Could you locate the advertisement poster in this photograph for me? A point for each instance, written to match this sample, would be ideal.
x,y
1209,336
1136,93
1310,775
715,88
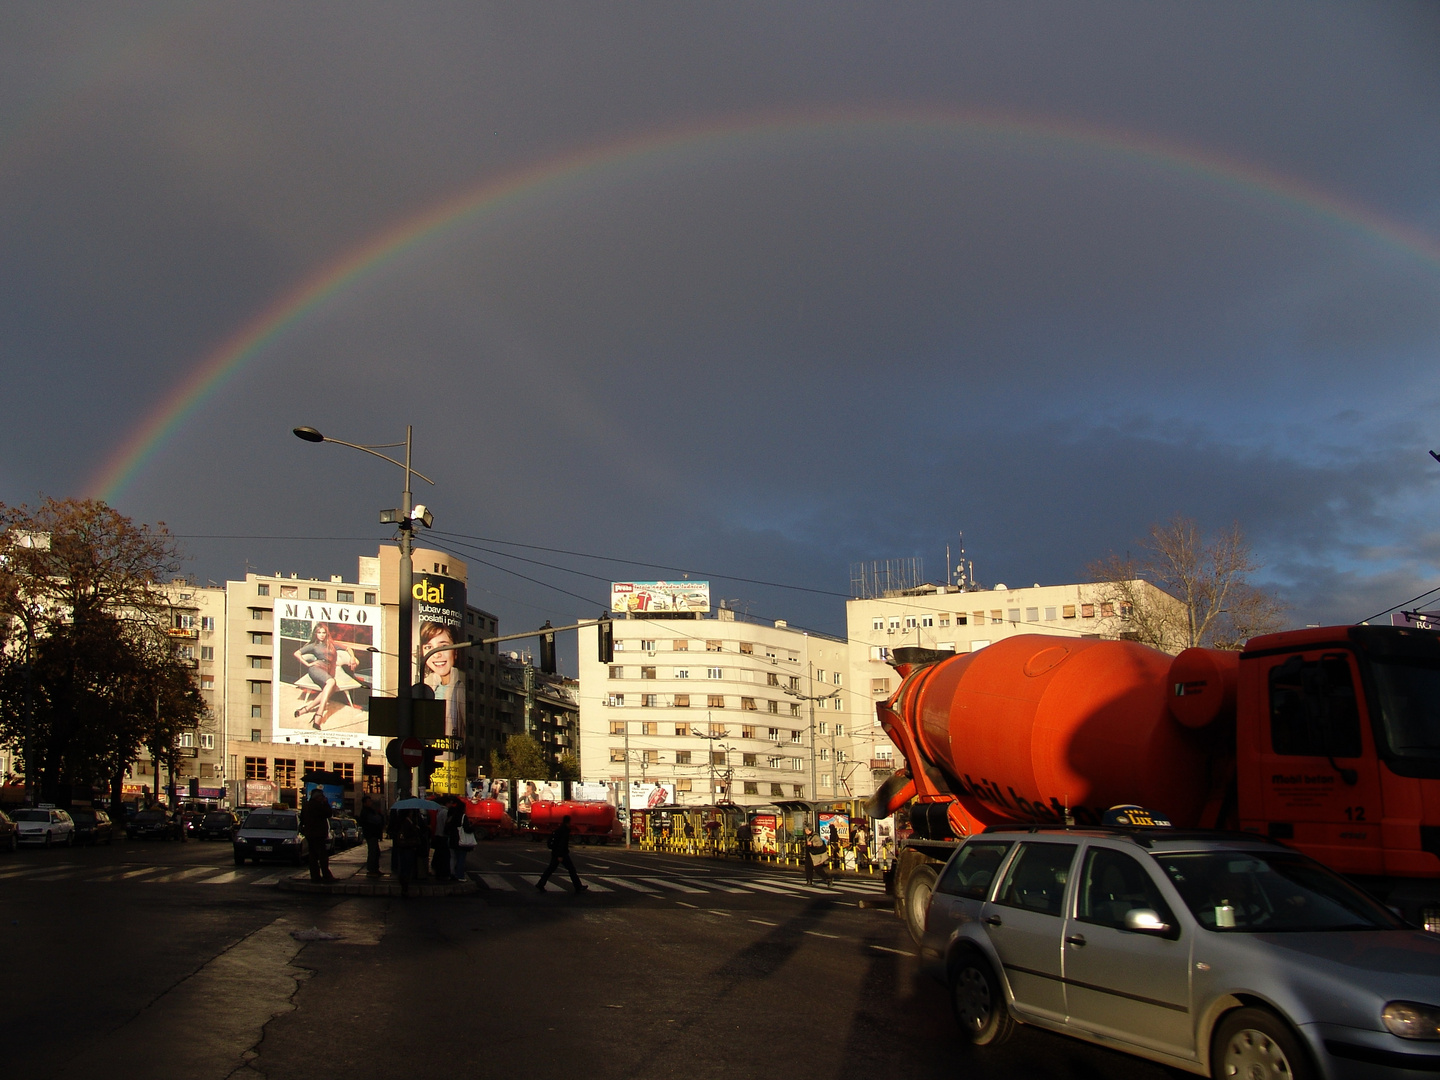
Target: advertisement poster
x,y
532,791
491,789
323,669
334,793
645,796
762,834
642,597
259,792
638,823
438,618
842,827
595,791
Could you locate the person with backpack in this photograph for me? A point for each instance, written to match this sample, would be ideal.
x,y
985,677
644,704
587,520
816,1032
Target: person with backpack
x,y
812,851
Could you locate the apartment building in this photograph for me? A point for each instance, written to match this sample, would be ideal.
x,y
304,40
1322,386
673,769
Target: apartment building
x,y
720,705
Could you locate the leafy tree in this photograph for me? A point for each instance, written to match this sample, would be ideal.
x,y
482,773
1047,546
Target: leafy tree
x,y
522,760
1186,590
569,766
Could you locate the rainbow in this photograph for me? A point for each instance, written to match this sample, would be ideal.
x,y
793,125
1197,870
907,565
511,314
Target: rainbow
x,y
254,337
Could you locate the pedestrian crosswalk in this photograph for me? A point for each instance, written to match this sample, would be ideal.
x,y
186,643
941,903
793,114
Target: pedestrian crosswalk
x,y
144,875
653,884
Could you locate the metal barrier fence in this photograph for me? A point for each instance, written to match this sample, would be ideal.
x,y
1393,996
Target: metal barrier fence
x,y
790,853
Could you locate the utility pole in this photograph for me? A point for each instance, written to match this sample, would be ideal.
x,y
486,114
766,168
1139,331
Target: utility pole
x,y
813,697
628,827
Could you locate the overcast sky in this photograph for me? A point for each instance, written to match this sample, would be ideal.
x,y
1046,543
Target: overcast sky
x,y
768,288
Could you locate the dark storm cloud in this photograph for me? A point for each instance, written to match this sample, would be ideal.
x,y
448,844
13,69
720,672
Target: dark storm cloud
x,y
762,357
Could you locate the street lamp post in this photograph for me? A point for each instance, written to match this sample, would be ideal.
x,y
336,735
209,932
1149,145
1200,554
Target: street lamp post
x,y
405,522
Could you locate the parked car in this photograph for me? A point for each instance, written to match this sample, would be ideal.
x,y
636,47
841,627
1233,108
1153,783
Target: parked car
x,y
92,826
270,834
191,820
218,825
152,824
9,833
346,831
45,826
1215,954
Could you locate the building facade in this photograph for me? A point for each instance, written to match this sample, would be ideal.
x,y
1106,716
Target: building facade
x,y
721,706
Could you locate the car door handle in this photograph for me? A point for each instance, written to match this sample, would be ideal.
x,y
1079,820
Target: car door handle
x,y
1075,939
991,920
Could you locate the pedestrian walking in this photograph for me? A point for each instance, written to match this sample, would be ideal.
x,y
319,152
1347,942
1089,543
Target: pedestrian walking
x,y
560,853
440,843
372,827
742,837
812,850
315,824
459,838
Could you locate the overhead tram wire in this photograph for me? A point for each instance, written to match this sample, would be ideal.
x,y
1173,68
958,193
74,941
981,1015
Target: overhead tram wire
x,y
1402,604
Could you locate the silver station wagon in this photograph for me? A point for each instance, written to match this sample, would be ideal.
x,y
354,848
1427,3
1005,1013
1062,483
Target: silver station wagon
x,y
1213,953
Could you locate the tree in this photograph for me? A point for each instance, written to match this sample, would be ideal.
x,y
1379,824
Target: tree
x,y
569,765
1186,590
522,760
88,675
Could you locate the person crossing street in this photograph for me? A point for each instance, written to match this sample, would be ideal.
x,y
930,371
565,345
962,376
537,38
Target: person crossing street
x,y
560,853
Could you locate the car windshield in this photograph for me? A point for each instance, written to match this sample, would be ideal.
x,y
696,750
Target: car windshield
x,y
31,815
217,819
150,815
286,822
1409,696
1269,892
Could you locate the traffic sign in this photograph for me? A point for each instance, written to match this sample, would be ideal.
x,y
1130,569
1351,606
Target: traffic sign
x,y
412,752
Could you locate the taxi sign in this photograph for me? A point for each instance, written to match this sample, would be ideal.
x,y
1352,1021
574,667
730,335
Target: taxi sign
x,y
1135,816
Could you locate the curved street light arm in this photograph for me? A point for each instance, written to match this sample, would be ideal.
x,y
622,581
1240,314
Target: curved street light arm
x,y
387,457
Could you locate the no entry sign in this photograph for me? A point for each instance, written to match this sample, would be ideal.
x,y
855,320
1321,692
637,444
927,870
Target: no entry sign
x,y
405,753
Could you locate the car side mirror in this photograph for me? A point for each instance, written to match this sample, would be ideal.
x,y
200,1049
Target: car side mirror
x,y
1145,921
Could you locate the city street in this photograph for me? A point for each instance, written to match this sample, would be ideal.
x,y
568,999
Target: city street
x,y
164,959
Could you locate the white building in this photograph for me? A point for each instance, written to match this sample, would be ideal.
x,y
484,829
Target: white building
x,y
721,706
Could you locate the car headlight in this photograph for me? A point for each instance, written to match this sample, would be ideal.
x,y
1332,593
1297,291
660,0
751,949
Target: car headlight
x,y
1412,1020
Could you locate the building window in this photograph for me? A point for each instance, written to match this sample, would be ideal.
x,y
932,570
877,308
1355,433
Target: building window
x,y
682,701
1107,610
880,686
317,594
774,762
370,600
909,622
617,672
712,646
794,708
617,753
840,755
1012,614
207,682
824,753
346,769
262,590
837,681
257,768
647,646
617,727
1087,611
717,757
961,620
649,727
927,620
839,729
773,734
681,644
255,715
344,596
257,662
647,673
650,757
796,764
777,789
715,701
257,687
944,619
747,648
285,772
207,623
207,652
187,738
207,741
794,682
649,701
714,673
877,624
1032,614
746,731
747,760
682,757
682,673
747,704
258,638
1049,614
682,785
258,613
773,708
820,674
752,787
825,779
823,728
682,729
615,700
185,652
795,736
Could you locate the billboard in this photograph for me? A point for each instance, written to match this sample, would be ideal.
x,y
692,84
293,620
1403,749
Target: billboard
x,y
323,669
662,597
1421,620
595,791
762,834
529,791
258,792
648,796
438,618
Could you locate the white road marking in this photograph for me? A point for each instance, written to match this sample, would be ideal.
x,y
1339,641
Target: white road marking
x,y
682,903
817,933
194,871
223,879
716,911
630,885
670,883
495,881
762,922
268,879
897,952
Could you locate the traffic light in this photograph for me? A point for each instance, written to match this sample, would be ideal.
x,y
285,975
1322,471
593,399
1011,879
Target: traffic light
x,y
547,649
607,641
430,758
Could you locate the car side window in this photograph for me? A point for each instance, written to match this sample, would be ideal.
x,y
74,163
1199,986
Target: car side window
x,y
1037,878
1114,884
972,870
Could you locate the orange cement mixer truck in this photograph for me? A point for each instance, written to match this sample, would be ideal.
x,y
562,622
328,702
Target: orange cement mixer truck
x,y
1325,739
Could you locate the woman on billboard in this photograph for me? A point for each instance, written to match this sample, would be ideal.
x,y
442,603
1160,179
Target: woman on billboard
x,y
441,678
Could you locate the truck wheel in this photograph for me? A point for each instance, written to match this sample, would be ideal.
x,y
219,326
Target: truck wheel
x,y
1255,1043
979,1001
918,888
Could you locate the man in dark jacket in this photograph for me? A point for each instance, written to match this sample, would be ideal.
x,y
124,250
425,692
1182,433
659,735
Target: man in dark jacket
x,y
560,853
315,824
372,827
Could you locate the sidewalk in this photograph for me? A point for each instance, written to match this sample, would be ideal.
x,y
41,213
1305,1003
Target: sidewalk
x,y
350,880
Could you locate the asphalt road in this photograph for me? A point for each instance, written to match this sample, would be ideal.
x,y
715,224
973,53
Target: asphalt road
x,y
162,959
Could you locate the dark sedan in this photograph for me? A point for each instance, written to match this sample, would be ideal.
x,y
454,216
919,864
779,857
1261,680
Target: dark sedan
x,y
92,826
218,825
148,824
